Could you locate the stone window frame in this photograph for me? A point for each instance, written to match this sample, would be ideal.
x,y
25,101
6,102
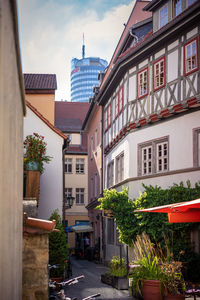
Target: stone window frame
x,y
119,167
196,147
153,144
110,174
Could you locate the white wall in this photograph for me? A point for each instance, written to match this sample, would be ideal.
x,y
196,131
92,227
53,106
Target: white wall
x,y
180,132
51,181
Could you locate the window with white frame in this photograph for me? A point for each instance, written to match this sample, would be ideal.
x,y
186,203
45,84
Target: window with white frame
x,y
163,15
119,174
142,79
80,195
177,7
153,157
196,147
109,115
146,160
68,165
110,174
68,192
191,56
159,73
91,188
80,165
162,157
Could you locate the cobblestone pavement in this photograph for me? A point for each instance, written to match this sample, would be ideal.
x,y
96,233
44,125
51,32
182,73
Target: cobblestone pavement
x,y
92,284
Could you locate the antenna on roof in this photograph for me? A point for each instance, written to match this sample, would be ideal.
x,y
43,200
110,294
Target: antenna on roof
x,y
83,48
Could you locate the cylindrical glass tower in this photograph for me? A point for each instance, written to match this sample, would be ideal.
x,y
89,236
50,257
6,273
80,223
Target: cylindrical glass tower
x,y
84,76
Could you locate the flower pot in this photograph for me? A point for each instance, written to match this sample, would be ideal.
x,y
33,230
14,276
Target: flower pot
x,y
174,297
151,290
32,166
120,283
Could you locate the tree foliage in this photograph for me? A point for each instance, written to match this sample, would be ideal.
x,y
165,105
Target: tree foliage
x,y
156,225
58,249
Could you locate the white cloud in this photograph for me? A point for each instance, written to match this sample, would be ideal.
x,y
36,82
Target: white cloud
x,y
51,35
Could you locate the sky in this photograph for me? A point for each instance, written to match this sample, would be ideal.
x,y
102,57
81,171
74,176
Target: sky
x,y
51,34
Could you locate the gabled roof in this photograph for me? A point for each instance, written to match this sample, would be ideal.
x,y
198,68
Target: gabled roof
x,y
69,116
137,15
40,81
29,105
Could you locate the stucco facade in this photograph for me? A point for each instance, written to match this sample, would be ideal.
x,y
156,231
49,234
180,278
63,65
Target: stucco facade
x,y
51,181
44,104
12,109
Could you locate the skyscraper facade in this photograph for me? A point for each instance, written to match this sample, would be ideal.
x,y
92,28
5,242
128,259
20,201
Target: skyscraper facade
x,y
84,76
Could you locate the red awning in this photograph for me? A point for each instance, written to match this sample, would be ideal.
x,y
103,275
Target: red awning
x,y
182,212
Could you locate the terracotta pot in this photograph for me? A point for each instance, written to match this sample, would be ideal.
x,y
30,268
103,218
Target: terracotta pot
x,y
151,290
174,297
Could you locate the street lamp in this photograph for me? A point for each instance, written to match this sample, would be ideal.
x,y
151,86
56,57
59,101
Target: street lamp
x,y
69,202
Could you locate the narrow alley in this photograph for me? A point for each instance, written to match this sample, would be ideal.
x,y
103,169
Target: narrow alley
x,y
92,284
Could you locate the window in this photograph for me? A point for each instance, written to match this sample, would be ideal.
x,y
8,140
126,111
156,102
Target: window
x,y
142,78
120,168
190,56
69,137
190,2
80,196
196,147
91,188
120,99
80,165
68,165
177,7
110,231
108,117
163,15
159,74
68,192
91,147
162,157
95,141
119,102
95,185
110,174
153,157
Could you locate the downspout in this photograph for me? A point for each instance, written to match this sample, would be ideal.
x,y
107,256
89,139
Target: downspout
x,y
65,147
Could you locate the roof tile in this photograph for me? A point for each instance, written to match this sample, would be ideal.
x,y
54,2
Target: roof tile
x,y
40,81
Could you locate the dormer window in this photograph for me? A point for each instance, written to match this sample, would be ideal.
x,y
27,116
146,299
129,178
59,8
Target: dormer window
x,y
163,15
177,7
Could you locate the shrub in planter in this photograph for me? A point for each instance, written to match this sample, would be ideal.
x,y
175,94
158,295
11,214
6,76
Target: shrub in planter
x,y
58,248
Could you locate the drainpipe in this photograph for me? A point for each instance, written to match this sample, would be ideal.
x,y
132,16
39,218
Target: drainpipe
x,y
102,183
65,147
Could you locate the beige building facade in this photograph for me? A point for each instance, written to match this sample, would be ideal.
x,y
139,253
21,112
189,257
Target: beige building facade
x,y
12,110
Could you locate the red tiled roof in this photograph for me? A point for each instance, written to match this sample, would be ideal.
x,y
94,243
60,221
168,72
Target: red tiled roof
x,y
69,116
45,120
40,81
136,16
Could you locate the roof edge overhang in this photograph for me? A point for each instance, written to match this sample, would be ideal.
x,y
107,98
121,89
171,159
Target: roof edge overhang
x,y
177,25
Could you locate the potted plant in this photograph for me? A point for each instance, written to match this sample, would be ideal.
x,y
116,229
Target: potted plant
x,y
117,274
35,152
173,280
147,277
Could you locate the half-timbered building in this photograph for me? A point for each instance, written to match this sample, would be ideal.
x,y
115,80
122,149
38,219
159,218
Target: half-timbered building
x,y
151,98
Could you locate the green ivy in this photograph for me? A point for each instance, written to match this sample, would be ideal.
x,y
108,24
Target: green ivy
x,y
156,225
